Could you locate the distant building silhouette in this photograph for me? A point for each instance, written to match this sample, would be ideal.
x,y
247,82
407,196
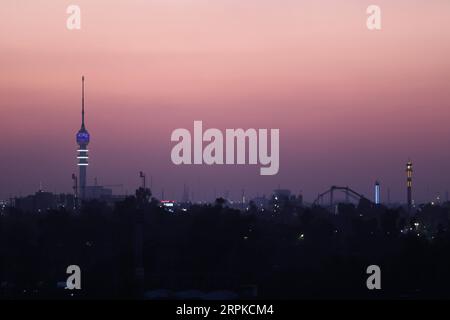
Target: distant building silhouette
x,y
42,201
97,192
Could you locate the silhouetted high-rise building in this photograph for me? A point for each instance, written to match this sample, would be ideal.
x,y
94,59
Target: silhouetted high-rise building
x,y
409,185
185,198
82,138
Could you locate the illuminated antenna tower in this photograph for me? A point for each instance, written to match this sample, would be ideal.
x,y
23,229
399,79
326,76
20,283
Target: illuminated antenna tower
x,y
377,192
409,185
82,139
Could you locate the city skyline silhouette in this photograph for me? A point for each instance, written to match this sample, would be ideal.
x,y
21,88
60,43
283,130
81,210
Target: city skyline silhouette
x,y
252,152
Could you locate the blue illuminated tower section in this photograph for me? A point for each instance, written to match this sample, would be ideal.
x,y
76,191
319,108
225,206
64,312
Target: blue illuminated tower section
x,y
377,193
82,141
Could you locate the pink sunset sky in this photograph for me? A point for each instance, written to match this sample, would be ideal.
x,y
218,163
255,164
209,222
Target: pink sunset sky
x,y
352,105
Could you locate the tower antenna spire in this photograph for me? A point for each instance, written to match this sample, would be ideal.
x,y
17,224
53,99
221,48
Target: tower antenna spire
x,y
82,101
83,138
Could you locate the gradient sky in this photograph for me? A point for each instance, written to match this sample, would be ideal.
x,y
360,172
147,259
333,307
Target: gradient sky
x,y
352,105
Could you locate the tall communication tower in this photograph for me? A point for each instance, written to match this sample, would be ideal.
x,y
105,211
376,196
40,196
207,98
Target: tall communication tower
x,y
82,139
409,185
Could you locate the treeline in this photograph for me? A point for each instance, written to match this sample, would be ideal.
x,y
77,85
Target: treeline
x,y
296,253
